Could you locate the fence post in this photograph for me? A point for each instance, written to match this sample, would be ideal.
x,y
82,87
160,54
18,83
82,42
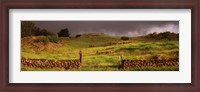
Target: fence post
x,y
120,61
80,54
121,57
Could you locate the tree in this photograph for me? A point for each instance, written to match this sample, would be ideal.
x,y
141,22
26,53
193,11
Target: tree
x,y
36,31
63,33
26,28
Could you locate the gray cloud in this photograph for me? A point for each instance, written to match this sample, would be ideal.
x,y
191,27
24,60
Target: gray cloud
x,y
121,28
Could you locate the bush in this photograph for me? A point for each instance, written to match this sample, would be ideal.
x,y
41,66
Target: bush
x,y
47,39
78,35
155,57
44,32
53,39
42,39
163,36
124,38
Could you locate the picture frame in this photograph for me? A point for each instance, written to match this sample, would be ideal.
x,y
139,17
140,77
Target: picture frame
x,y
110,4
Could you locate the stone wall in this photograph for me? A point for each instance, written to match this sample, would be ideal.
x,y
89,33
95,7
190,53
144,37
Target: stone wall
x,y
43,63
154,63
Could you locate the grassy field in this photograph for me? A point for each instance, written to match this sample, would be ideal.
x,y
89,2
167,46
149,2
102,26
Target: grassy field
x,y
100,51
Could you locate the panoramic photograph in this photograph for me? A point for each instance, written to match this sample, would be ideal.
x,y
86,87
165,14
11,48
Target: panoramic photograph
x,y
99,45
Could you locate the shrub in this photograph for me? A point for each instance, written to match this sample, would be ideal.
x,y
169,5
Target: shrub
x,y
163,36
42,39
53,39
155,57
44,32
78,35
124,38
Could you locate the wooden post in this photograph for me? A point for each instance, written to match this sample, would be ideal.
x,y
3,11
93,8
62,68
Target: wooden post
x,y
120,61
121,57
80,54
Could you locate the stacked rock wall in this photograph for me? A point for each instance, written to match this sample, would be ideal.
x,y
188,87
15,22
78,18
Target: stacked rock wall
x,y
42,63
154,63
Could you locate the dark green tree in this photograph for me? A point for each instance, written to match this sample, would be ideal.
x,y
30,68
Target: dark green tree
x,y
36,31
26,28
64,33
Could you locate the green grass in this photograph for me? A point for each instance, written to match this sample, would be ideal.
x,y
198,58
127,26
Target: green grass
x,y
100,52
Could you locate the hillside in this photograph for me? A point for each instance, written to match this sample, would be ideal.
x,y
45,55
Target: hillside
x,y
100,51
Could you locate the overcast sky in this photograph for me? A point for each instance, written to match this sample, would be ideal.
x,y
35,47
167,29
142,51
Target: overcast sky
x,y
120,28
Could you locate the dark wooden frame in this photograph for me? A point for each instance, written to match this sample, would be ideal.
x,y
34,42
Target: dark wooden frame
x,y
104,4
